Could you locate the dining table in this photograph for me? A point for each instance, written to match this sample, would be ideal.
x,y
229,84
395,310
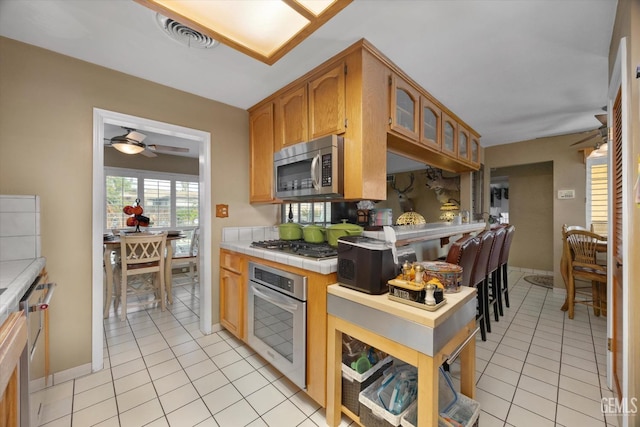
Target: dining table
x,y
111,244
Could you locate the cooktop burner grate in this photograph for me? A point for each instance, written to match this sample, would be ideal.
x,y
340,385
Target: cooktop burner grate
x,y
298,247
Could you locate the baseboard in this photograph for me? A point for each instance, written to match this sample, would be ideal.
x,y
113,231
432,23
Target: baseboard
x,y
71,374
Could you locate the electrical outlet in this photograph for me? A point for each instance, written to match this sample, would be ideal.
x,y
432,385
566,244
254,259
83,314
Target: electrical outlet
x,y
222,211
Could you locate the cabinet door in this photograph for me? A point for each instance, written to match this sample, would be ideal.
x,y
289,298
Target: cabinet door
x,y
404,108
463,144
327,105
261,142
291,118
430,124
232,300
449,136
475,151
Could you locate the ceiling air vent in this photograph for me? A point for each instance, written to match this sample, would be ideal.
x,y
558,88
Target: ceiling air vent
x,y
185,35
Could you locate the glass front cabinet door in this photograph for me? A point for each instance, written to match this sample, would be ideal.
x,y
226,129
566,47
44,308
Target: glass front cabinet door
x,y
431,124
463,144
449,136
404,108
475,151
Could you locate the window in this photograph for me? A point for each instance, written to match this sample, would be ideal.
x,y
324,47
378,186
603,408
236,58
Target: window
x,y
597,207
169,200
307,213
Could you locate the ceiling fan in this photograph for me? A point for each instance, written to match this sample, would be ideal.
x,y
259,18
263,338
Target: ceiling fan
x,y
131,143
600,133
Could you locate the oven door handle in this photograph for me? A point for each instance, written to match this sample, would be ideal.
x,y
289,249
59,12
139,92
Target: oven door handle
x,y
50,287
276,299
315,178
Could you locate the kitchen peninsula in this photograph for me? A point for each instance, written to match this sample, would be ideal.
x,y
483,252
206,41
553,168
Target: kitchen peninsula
x,y
236,254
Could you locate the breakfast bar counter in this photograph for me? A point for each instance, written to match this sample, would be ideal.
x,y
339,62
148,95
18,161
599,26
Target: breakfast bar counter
x,y
422,338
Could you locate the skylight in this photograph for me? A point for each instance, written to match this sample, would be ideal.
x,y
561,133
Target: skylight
x,y
263,29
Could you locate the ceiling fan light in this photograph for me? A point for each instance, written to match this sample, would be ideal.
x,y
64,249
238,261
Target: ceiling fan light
x,y
127,146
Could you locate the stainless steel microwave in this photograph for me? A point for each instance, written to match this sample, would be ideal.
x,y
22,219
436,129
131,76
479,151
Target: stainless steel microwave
x,y
310,170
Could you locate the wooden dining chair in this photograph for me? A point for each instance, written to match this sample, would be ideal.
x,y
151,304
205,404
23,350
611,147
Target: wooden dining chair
x,y
141,254
582,247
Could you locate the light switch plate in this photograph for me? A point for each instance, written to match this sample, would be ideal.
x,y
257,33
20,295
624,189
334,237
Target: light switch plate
x,y
566,194
222,211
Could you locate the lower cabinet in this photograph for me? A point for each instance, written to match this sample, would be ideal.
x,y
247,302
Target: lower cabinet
x,y
233,313
233,293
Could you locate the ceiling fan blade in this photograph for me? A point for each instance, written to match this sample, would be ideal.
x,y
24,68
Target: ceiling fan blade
x,y
586,138
148,153
136,136
167,148
602,118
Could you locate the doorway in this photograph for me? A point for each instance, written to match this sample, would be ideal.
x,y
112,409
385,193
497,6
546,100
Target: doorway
x,y
201,140
526,191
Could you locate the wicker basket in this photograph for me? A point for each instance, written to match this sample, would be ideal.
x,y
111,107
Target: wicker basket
x,y
353,383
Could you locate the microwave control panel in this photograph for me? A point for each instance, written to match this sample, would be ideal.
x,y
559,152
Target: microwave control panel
x,y
326,170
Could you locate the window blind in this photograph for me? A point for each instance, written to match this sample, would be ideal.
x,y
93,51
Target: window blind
x,y
597,209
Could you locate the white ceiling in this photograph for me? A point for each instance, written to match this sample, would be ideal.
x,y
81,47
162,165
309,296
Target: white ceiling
x,y
513,70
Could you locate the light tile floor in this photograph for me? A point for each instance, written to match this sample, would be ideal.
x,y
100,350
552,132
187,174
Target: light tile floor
x,y
537,368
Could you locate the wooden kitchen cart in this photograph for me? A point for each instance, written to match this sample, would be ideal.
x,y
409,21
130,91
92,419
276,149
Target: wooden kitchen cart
x,y
421,338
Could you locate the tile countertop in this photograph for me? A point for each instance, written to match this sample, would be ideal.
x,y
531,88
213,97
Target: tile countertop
x,y
323,266
408,234
16,277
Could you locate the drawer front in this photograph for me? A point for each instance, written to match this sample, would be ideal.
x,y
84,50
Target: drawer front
x,y
231,261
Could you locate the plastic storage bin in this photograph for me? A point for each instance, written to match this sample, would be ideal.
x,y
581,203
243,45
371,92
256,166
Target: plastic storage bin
x,y
465,412
353,383
372,414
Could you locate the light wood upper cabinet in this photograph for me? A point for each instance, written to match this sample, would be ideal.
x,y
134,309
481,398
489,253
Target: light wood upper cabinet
x,y
430,124
449,136
475,151
232,293
261,143
327,106
464,150
291,118
404,108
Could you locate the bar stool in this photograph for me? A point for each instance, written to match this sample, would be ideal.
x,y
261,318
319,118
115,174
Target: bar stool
x,y
503,280
464,252
493,268
479,277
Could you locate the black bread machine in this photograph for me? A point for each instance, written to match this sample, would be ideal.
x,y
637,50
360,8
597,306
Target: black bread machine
x,y
365,264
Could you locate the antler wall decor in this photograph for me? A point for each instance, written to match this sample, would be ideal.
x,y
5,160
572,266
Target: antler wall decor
x,y
406,204
446,188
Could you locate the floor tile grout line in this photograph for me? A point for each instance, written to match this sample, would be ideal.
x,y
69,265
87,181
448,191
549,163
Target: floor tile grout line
x,y
524,363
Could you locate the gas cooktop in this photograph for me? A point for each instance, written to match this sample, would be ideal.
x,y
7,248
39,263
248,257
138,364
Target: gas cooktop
x,y
298,247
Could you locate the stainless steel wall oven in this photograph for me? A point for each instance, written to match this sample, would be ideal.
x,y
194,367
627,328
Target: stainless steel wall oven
x,y
277,319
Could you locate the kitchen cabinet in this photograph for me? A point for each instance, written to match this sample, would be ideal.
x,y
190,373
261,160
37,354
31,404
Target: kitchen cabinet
x,y
327,105
362,95
233,300
13,341
291,118
404,108
430,124
261,144
233,291
449,136
313,109
464,150
475,151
